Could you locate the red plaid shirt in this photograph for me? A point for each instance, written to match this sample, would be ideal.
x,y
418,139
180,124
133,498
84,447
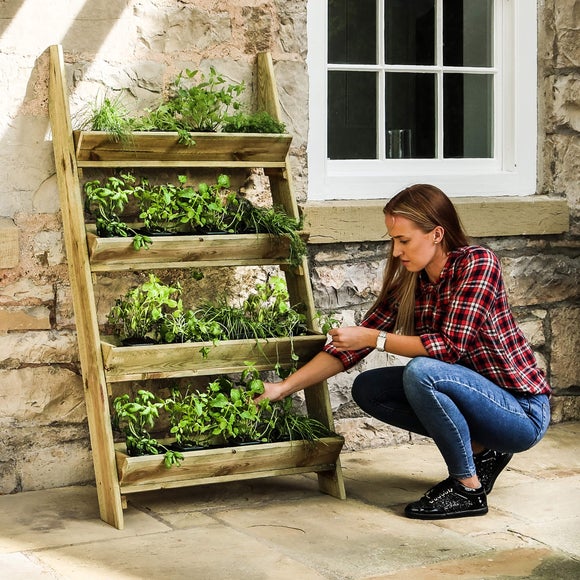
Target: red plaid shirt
x,y
465,318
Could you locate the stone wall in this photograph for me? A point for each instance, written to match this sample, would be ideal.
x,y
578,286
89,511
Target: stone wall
x,y
135,48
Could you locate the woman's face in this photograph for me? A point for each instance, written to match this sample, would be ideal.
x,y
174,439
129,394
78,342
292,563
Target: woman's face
x,y
416,249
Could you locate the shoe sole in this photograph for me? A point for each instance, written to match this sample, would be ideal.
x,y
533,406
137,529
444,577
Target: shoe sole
x,y
466,514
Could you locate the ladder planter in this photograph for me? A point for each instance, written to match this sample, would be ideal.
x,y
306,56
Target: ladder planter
x,y
105,361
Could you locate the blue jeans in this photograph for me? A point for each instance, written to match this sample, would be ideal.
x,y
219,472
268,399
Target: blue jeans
x,y
454,405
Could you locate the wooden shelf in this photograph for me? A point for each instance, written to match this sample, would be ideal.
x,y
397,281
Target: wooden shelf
x,y
114,254
148,472
159,361
159,149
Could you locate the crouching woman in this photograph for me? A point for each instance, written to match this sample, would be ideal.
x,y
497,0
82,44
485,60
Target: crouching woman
x,y
473,384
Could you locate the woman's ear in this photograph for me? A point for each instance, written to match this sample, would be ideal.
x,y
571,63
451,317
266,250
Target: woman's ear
x,y
438,234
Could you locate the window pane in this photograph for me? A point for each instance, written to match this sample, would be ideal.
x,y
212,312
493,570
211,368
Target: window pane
x,y
410,32
352,115
410,107
352,31
467,32
468,116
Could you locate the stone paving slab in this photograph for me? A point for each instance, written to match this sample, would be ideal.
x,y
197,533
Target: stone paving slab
x,y
283,528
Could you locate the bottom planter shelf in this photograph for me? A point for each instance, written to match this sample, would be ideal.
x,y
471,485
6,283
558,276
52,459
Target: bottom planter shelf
x,y
148,472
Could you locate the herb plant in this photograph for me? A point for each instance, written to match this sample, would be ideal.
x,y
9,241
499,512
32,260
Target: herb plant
x,y
107,202
196,103
260,122
137,418
139,314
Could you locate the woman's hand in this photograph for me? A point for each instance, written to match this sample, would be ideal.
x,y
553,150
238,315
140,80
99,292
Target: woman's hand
x,y
272,391
353,337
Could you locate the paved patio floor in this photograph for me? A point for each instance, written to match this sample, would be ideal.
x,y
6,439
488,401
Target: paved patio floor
x,y
283,529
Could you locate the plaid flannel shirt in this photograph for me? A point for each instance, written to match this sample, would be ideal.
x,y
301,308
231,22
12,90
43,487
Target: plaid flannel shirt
x,y
465,319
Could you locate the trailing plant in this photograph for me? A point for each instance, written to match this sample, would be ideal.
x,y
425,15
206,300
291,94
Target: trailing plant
x,y
277,222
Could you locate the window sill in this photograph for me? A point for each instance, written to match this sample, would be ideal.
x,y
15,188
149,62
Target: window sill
x,y
331,222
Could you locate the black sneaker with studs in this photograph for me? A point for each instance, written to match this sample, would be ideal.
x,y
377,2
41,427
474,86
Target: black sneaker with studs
x,y
449,499
488,465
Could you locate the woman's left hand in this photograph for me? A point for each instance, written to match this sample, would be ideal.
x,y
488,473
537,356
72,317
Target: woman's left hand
x,y
353,337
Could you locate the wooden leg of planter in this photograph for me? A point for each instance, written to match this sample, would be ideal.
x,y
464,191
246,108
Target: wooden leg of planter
x,y
318,405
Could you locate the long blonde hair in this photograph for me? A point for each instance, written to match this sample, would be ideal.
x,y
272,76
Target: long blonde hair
x,y
428,207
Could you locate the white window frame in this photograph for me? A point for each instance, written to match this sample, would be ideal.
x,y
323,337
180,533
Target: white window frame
x,y
511,172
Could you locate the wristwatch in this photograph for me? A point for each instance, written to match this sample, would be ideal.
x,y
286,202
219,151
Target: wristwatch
x,y
381,341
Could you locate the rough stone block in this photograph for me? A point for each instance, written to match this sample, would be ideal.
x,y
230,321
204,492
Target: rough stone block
x,y
565,348
10,254
39,347
44,395
25,318
565,408
566,27
541,278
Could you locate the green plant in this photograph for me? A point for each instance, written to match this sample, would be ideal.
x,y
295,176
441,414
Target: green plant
x,y
265,313
136,418
200,107
107,202
161,206
326,322
277,222
108,115
139,314
260,122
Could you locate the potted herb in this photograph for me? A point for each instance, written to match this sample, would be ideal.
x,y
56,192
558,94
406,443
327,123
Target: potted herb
x,y
107,202
260,122
137,317
136,418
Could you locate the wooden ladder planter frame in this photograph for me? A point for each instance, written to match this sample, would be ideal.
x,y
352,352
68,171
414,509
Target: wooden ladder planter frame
x,y
104,362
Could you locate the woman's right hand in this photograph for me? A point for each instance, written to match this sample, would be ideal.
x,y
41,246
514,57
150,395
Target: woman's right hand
x,y
272,391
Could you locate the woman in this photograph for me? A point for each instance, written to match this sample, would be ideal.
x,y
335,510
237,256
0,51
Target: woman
x,y
473,384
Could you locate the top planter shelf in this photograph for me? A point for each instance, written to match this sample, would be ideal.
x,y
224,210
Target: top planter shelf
x,y
163,149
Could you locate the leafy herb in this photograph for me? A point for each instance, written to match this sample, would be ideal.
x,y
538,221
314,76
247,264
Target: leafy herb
x,y
260,122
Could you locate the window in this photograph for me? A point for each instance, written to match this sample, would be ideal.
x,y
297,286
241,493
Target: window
x,y
406,91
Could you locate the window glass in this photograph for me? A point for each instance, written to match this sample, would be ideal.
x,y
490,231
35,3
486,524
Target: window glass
x,y
410,32
352,31
352,115
468,116
467,33
410,115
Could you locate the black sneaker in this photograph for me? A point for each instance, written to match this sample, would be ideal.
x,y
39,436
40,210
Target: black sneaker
x,y
448,499
489,464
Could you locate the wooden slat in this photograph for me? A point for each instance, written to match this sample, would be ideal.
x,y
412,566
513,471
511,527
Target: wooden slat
x,y
298,279
82,293
227,464
280,181
150,361
110,254
97,149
